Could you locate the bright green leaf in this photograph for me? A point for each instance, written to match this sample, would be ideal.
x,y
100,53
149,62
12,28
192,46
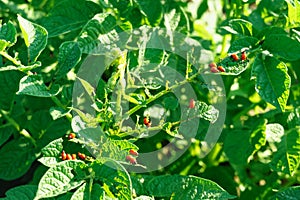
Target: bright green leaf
x,y
287,157
59,179
294,13
51,152
33,85
236,27
185,187
35,37
272,80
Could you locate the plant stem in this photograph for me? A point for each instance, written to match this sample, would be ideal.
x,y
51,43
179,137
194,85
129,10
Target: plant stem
x,y
10,120
7,56
160,94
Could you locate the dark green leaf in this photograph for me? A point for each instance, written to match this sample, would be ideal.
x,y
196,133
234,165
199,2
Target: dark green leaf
x,y
35,37
152,9
33,85
282,46
5,133
16,158
9,83
272,80
69,55
291,193
69,16
24,192
8,35
241,144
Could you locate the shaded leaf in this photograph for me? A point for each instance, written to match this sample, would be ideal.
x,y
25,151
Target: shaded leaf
x,y
24,192
236,27
9,83
16,159
152,9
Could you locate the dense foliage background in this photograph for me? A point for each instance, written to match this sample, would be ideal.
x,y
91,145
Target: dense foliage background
x,y
44,43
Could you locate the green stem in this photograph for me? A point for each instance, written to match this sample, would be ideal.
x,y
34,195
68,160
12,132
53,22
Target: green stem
x,y
7,56
59,104
160,94
10,120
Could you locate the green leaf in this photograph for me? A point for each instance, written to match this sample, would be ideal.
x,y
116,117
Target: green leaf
x,y
16,159
69,16
115,177
33,85
292,193
24,192
243,43
236,27
57,112
274,132
287,157
293,13
51,152
69,55
282,46
184,187
35,37
9,83
59,179
272,80
5,133
239,145
152,9
8,35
